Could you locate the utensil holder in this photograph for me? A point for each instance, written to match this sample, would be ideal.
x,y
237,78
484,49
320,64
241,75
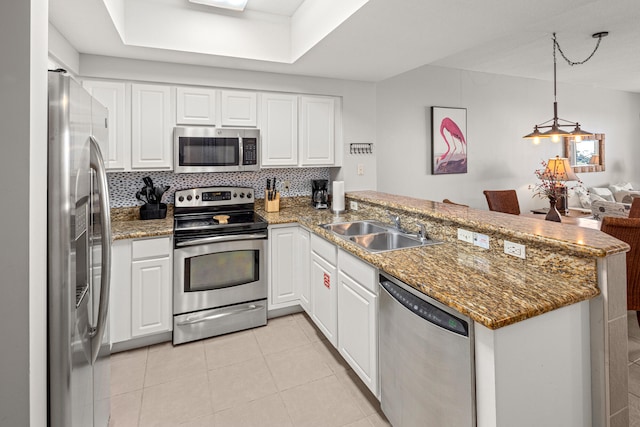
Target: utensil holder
x,y
271,205
153,211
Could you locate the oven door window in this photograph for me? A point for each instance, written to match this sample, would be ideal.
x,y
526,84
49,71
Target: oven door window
x,y
202,151
221,270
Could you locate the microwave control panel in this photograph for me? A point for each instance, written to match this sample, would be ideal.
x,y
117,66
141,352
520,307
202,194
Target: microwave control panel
x,y
250,147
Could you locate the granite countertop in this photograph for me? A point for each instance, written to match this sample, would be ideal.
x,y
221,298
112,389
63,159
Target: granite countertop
x,y
491,288
126,224
494,290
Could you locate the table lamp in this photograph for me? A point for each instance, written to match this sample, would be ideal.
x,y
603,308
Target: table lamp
x,y
559,169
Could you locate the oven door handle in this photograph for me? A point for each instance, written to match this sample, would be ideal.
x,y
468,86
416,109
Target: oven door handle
x,y
195,320
216,239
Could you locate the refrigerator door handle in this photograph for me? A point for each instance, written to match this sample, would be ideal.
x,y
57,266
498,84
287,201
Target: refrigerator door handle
x,y
97,163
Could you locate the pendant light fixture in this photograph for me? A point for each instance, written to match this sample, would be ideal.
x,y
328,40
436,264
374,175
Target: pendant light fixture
x,y
553,127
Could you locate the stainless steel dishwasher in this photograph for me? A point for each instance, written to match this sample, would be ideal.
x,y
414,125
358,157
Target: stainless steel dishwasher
x,y
427,375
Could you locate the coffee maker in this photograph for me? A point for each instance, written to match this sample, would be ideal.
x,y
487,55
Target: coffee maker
x,y
320,193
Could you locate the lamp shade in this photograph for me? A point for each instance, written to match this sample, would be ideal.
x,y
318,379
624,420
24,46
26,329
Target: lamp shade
x,y
535,134
559,169
577,132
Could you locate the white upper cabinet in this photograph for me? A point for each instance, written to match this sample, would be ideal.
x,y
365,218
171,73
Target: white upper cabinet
x,y
317,131
279,129
239,108
152,127
116,96
196,106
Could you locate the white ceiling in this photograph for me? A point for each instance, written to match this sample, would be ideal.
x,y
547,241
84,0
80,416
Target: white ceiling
x,y
378,39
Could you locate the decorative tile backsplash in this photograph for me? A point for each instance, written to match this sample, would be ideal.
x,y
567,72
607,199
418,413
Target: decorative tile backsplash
x,y
123,185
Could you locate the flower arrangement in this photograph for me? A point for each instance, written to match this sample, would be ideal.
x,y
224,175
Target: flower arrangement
x,y
553,181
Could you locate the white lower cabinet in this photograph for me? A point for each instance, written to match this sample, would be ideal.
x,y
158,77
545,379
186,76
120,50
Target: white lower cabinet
x,y
288,266
358,317
141,284
302,269
324,295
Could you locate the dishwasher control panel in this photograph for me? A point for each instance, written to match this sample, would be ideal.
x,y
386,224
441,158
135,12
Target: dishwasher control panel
x,y
427,311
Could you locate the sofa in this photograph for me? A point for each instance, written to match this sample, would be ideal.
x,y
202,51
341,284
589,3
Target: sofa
x,y
613,200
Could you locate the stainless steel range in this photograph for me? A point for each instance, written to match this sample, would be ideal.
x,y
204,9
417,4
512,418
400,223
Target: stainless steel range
x,y
220,252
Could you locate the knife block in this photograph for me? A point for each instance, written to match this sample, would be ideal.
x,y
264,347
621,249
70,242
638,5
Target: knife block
x,y
153,211
272,205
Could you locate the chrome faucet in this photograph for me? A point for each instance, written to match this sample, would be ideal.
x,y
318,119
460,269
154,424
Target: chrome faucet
x,y
422,233
396,220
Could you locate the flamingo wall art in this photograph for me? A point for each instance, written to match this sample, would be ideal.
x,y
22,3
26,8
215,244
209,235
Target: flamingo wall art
x,y
449,136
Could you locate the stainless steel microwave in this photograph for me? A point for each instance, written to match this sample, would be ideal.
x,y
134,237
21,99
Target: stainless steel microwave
x,y
206,149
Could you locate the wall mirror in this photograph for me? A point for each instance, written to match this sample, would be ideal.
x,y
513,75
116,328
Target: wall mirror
x,y
586,155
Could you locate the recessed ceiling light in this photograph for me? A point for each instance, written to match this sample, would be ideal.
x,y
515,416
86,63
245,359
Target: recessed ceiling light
x,y
224,4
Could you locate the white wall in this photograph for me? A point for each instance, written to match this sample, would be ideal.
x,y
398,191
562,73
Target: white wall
x,y
63,54
358,98
500,110
23,120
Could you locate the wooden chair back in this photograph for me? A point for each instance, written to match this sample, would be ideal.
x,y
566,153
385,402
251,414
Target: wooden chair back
x,y
628,230
449,202
634,212
503,201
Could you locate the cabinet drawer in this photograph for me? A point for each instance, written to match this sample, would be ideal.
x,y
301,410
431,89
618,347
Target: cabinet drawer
x,y
358,270
325,249
151,248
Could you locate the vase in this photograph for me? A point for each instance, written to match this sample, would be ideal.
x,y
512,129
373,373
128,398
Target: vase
x,y
553,214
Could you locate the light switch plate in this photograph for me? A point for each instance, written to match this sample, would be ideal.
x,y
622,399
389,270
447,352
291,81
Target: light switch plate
x,y
481,240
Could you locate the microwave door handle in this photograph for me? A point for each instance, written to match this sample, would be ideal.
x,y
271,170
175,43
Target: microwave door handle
x,y
217,239
97,163
241,152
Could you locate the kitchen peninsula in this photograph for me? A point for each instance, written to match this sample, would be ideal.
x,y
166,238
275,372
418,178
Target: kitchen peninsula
x,y
550,329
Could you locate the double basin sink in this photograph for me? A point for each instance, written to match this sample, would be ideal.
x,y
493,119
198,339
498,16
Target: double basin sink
x,y
377,237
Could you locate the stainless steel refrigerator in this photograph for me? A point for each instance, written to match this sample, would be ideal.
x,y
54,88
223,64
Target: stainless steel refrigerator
x,y
79,257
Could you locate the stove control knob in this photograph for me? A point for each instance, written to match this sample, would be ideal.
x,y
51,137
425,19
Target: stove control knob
x,y
197,197
248,195
235,195
181,199
189,197
242,195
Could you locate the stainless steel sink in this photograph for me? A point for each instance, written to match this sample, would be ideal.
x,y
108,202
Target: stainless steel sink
x,y
355,228
389,241
377,237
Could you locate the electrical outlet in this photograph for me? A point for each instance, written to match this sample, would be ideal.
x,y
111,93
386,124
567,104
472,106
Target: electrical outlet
x,y
514,249
353,205
465,235
287,184
360,169
481,240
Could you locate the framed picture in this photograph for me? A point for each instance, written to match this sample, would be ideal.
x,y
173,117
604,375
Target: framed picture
x,y
449,140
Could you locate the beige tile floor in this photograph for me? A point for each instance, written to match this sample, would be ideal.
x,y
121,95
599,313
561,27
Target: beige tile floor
x,y
283,374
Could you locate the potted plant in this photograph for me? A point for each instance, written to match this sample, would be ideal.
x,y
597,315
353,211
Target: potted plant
x,y
552,185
